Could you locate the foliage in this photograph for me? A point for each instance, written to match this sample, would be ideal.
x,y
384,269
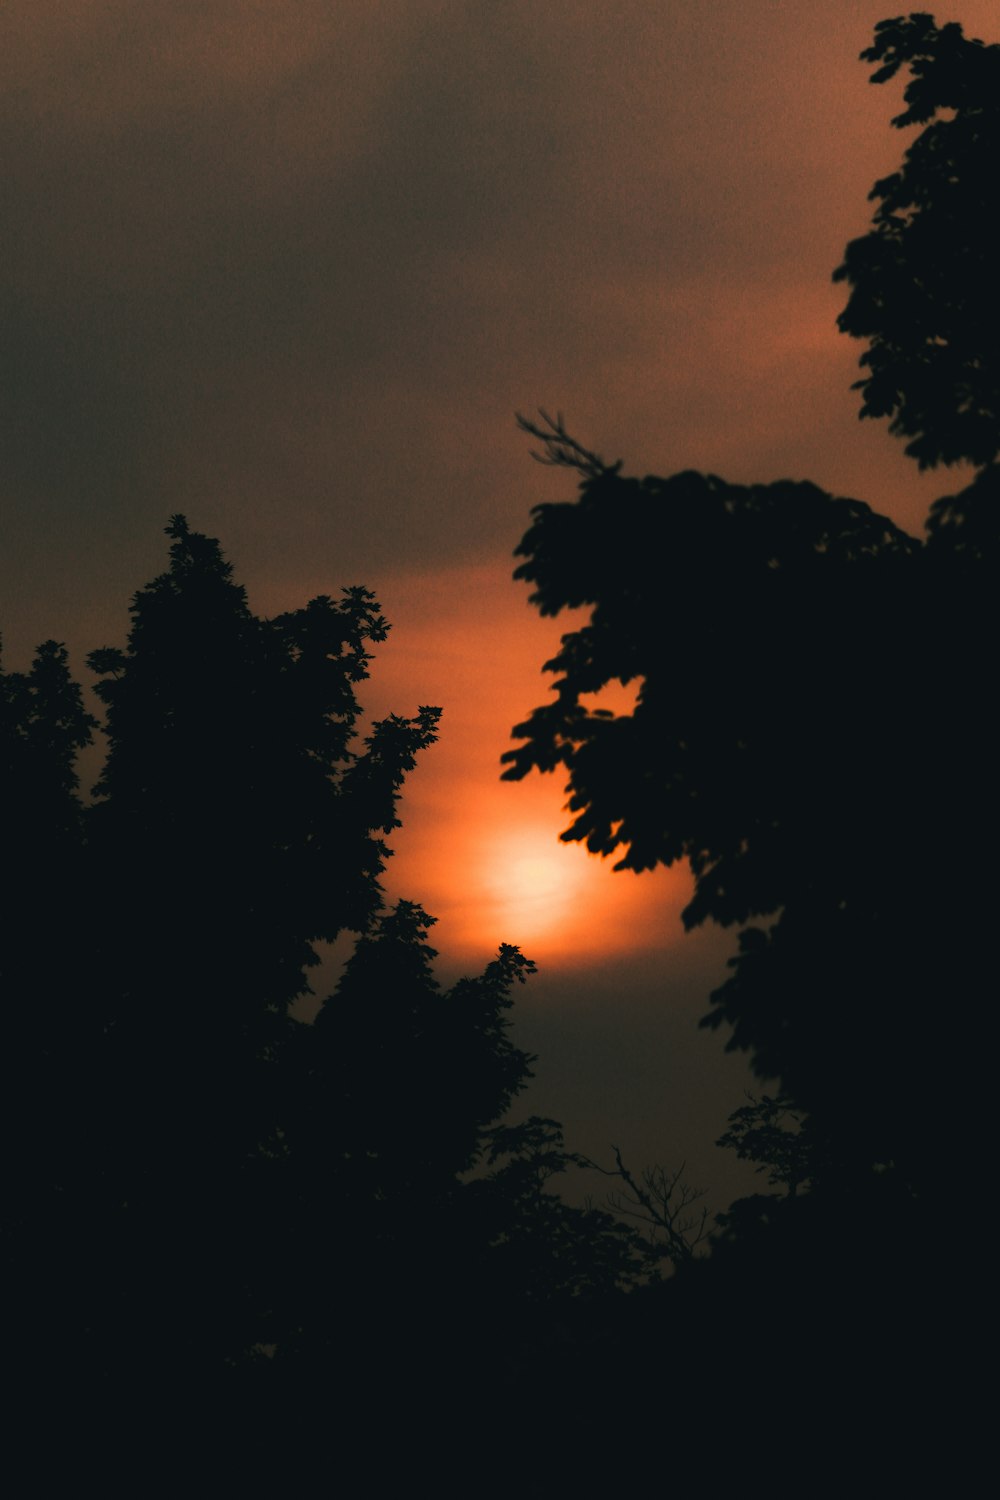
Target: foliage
x,y
924,289
43,724
227,728
397,1086
758,1132
400,1081
236,823
736,563
810,731
542,1247
231,1180
817,663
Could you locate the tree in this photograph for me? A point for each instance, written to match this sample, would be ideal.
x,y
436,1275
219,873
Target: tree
x,y
924,288
396,1088
792,767
758,1132
199,1183
43,724
541,1248
663,1203
810,730
236,823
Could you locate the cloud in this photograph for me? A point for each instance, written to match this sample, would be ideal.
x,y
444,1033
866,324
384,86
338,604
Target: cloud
x,y
292,266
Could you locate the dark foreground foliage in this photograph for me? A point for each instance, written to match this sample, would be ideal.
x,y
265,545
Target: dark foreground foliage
x,y
924,289
228,1231
203,1195
814,733
282,1253
811,733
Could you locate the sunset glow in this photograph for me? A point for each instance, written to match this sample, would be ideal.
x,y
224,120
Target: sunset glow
x,y
291,269
532,885
483,855
500,873
528,882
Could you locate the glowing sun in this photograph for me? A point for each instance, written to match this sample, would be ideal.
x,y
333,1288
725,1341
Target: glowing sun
x,y
531,882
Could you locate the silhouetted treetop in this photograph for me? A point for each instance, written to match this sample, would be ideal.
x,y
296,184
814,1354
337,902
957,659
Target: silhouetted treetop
x,y
966,526
924,285
540,1247
809,732
723,605
196,1182
43,724
413,1076
241,731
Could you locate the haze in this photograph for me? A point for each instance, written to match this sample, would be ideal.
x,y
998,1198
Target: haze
x,y
290,268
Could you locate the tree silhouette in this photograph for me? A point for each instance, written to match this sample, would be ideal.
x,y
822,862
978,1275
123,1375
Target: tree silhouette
x,y
810,731
923,281
663,1202
758,1132
396,1088
541,1247
813,733
201,1188
235,824
43,724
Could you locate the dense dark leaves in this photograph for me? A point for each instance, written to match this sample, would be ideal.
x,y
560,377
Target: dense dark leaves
x,y
42,726
239,731
237,823
811,733
965,528
406,1078
723,606
197,1182
811,728
539,1247
924,288
771,1134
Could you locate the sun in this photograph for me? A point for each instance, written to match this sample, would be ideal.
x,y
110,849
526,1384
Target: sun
x,y
531,883
537,878
487,862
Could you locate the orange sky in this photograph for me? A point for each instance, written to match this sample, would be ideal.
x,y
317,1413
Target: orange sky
x,y
482,853
291,267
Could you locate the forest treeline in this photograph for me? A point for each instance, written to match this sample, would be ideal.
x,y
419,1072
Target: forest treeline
x,y
205,1195
239,1187
815,733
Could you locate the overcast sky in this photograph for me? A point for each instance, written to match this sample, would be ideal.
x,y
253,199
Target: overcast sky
x,y
290,266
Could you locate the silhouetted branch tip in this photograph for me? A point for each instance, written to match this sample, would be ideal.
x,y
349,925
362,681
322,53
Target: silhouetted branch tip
x,y
661,1202
560,449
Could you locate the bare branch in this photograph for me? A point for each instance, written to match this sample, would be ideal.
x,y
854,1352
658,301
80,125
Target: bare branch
x,y
562,451
661,1201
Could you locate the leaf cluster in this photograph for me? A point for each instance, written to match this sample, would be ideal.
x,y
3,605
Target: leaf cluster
x,y
691,584
242,1190
924,289
808,681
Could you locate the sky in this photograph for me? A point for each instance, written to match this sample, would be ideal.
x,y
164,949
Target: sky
x,y
291,267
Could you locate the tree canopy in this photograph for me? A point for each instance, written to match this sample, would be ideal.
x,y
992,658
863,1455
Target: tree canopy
x,y
924,288
202,1189
237,1186
810,730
